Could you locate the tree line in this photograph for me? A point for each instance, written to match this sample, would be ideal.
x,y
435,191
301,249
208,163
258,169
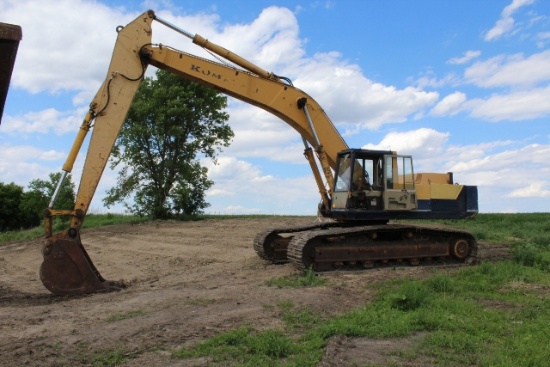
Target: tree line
x,y
22,209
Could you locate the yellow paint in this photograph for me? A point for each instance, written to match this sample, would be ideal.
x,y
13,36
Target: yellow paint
x,y
438,191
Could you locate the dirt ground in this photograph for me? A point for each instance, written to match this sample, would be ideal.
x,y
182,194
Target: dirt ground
x,y
187,281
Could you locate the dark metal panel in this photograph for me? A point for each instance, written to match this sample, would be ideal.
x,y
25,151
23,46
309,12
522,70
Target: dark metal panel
x,y
10,35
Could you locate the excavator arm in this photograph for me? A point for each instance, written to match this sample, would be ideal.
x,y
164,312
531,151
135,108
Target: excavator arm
x,y
67,268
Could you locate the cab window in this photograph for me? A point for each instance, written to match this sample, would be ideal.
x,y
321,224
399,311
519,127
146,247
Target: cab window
x,y
399,173
343,177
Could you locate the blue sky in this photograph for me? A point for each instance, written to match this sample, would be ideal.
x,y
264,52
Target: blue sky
x,y
463,86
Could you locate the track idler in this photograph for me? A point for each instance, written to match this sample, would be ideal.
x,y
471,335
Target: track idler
x,y
68,270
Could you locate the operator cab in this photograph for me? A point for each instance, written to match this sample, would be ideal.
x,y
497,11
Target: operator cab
x,y
369,183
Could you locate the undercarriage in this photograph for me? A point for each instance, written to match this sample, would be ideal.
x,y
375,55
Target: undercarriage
x,y
341,246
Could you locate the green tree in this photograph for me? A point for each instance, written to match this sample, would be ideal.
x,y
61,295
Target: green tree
x,y
34,201
43,191
10,199
25,209
170,122
31,208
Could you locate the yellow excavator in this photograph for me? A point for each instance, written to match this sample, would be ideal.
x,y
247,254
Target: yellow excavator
x,y
361,190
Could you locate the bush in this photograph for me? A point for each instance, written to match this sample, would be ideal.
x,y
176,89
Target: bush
x,y
529,254
10,197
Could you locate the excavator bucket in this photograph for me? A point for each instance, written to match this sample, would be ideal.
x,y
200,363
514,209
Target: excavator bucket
x,y
68,270
10,35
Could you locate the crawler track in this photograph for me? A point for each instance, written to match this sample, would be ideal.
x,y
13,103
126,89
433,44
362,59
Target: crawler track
x,y
328,246
272,244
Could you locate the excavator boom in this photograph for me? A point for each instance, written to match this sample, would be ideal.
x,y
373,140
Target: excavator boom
x,y
133,52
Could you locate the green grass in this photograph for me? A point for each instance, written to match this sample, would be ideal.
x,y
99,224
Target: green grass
x,y
507,228
99,220
62,224
296,318
126,315
110,358
200,301
244,345
307,279
488,315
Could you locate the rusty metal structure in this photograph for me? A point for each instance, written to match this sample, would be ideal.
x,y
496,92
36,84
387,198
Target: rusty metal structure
x,y
10,35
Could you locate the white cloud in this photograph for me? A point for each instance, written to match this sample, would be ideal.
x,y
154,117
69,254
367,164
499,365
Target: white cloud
x,y
271,41
26,152
420,143
450,105
534,189
260,134
428,80
515,106
241,187
22,163
506,22
508,171
228,168
520,84
44,122
354,101
236,210
61,51
468,56
219,192
510,71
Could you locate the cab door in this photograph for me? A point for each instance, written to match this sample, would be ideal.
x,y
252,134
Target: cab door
x,y
399,192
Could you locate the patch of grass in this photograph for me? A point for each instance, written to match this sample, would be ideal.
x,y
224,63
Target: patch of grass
x,y
531,254
308,279
298,318
244,346
200,301
463,328
492,314
100,220
62,223
411,296
6,237
126,315
109,358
